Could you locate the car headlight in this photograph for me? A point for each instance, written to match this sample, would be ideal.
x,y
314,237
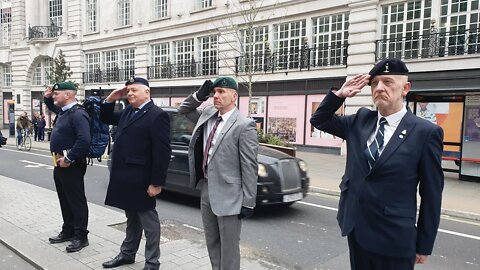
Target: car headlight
x,y
262,170
303,165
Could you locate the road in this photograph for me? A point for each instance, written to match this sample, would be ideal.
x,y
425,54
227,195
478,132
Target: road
x,y
303,236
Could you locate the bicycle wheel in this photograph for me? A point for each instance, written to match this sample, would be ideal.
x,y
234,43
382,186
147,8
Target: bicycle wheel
x,y
27,143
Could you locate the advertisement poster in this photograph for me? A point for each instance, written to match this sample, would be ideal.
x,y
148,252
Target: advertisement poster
x,y
161,102
472,123
286,117
447,115
176,101
257,108
315,136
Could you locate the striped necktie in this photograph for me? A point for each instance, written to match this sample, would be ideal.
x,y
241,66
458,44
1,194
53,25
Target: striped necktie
x,y
372,151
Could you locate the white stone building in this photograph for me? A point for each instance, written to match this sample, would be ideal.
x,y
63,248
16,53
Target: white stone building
x,y
301,48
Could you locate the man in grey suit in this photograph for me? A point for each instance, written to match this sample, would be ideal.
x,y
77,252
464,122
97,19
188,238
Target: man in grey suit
x,y
223,159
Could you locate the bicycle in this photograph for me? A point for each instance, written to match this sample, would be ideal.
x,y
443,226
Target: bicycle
x,y
25,141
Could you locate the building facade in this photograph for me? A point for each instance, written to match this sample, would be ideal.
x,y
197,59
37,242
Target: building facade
x,y
293,52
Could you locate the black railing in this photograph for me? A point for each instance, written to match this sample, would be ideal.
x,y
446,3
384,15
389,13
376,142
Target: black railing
x,y
182,70
44,31
301,59
110,75
462,42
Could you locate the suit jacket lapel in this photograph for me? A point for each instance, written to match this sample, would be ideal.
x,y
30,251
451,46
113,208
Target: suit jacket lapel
x,y
125,122
366,131
204,117
231,120
400,135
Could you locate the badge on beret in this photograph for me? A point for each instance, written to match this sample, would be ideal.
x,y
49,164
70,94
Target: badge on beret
x,y
132,80
386,68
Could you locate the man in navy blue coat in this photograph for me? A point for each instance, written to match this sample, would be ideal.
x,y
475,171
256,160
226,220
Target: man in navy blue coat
x,y
139,168
390,152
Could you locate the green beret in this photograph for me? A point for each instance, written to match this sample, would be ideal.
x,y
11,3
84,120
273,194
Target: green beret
x,y
226,82
64,86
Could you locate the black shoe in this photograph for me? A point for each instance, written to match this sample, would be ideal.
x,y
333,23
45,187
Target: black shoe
x,y
149,268
77,245
60,238
117,261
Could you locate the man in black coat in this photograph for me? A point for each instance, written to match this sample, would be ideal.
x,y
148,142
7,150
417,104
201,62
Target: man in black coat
x,y
391,154
139,168
69,145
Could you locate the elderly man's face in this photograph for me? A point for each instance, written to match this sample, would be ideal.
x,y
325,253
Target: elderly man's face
x,y
62,97
388,92
137,94
224,98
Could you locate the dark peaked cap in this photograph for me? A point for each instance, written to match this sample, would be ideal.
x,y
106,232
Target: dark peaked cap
x,y
137,80
388,67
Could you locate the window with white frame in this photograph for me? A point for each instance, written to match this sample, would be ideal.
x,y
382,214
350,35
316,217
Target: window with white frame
x,y
7,75
200,4
160,61
256,51
6,26
47,70
110,66
160,8
37,75
55,12
123,12
329,41
209,54
406,29
93,68
287,44
183,55
459,27
92,20
127,63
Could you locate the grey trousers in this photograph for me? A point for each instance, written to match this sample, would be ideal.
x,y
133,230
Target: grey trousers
x,y
137,222
222,234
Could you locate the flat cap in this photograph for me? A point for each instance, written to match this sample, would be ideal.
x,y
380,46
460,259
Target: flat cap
x,y
388,67
64,86
137,80
226,82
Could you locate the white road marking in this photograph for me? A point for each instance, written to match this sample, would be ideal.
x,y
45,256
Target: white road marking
x,y
47,156
440,230
32,164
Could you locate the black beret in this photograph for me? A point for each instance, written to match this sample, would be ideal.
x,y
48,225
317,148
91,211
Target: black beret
x,y
388,67
64,86
137,80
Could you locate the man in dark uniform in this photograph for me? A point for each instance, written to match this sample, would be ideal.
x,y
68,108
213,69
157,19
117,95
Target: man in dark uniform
x,y
391,154
139,168
69,145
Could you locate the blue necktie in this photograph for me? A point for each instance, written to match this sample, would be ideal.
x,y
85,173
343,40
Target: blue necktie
x,y
372,151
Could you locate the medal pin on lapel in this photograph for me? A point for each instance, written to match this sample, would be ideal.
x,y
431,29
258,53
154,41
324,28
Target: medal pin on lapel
x,y
403,133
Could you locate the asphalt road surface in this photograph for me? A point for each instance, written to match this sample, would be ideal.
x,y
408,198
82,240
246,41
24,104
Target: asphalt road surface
x,y
302,236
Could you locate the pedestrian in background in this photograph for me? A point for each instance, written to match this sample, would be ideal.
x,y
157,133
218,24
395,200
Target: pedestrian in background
x,y
140,161
390,152
223,160
69,145
41,128
35,118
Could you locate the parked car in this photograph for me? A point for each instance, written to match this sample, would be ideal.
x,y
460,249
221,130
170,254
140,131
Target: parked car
x,y
282,179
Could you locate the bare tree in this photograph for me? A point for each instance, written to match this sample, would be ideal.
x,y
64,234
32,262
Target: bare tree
x,y
247,38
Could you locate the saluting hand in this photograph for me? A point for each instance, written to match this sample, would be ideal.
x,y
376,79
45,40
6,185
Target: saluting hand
x,y
117,94
353,86
204,91
48,92
153,190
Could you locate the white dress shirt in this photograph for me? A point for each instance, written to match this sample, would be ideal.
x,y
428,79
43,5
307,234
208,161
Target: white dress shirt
x,y
209,126
393,121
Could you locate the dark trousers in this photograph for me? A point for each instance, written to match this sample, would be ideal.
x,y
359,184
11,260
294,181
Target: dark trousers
x,y
70,186
361,259
35,133
41,133
137,222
